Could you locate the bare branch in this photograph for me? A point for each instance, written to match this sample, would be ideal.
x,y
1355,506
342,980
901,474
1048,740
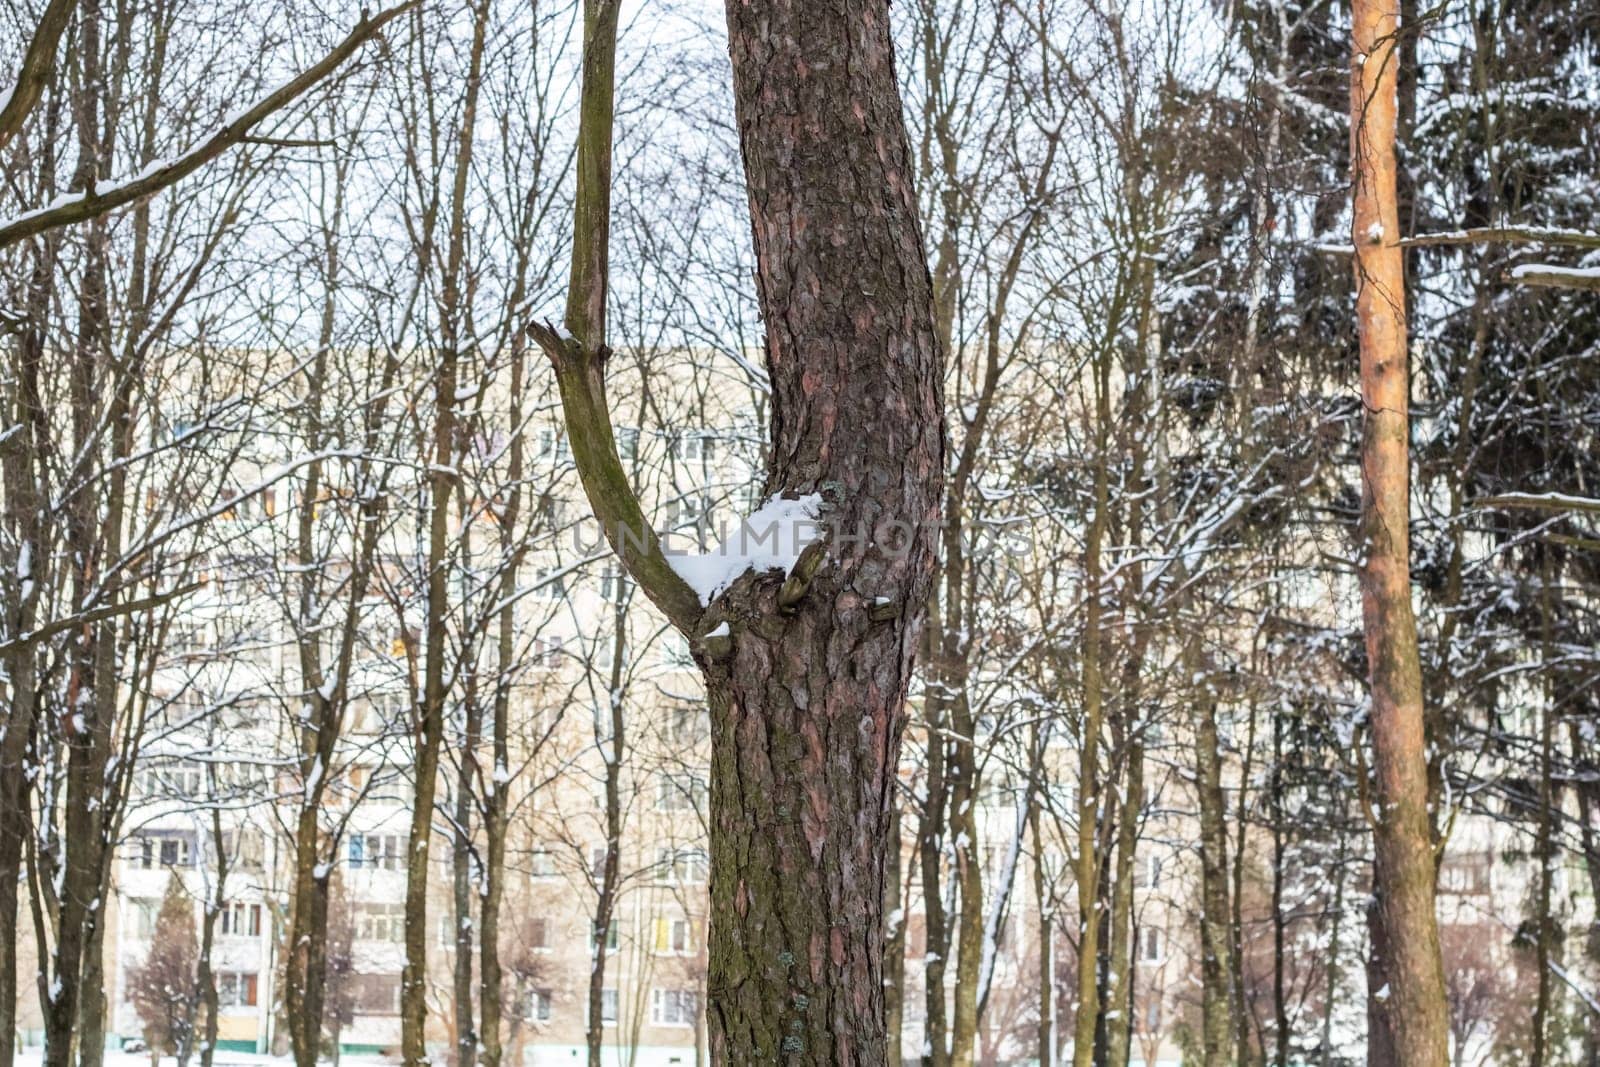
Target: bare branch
x,y
579,351
71,208
580,375
37,63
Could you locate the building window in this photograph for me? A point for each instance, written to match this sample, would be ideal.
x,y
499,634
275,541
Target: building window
x,y
1465,876
614,584
537,1008
545,653
675,653
673,936
627,442
682,866
240,919
164,850
550,583
377,994
673,1007
552,511
680,793
377,851
236,989
536,932
613,935
608,1005
182,779
688,724
1147,873
143,917
542,863
380,922
688,511
246,848
553,446
693,447
1151,945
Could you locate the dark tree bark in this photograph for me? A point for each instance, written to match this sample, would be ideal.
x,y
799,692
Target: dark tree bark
x,y
808,708
807,685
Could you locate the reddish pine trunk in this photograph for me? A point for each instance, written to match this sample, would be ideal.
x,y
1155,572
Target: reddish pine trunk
x,y
1403,862
809,705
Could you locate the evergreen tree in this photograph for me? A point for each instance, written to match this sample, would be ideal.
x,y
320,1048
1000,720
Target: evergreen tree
x,y
165,993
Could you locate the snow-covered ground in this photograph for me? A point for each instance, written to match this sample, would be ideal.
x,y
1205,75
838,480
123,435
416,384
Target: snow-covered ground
x,y
33,1056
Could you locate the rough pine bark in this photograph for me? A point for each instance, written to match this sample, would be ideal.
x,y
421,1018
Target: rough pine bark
x,y
806,674
809,703
1403,853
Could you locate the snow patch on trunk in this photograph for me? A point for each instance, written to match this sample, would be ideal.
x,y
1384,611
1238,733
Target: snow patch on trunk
x,y
771,539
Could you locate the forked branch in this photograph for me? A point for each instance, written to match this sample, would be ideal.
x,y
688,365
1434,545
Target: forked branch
x,y
580,376
579,351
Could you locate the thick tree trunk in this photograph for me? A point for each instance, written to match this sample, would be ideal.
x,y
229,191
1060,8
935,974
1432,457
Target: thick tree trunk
x,y
1403,855
806,677
809,707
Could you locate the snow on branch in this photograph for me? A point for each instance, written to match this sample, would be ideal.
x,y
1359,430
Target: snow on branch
x,y
1548,274
1510,235
82,205
1550,501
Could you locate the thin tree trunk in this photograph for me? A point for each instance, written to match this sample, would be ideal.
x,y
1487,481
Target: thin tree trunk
x,y
894,944
497,804
85,723
1241,806
1216,953
429,732
19,458
1403,855
606,889
1331,987
1047,978
1280,922
930,854
1088,857
1119,979
461,882
208,1000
